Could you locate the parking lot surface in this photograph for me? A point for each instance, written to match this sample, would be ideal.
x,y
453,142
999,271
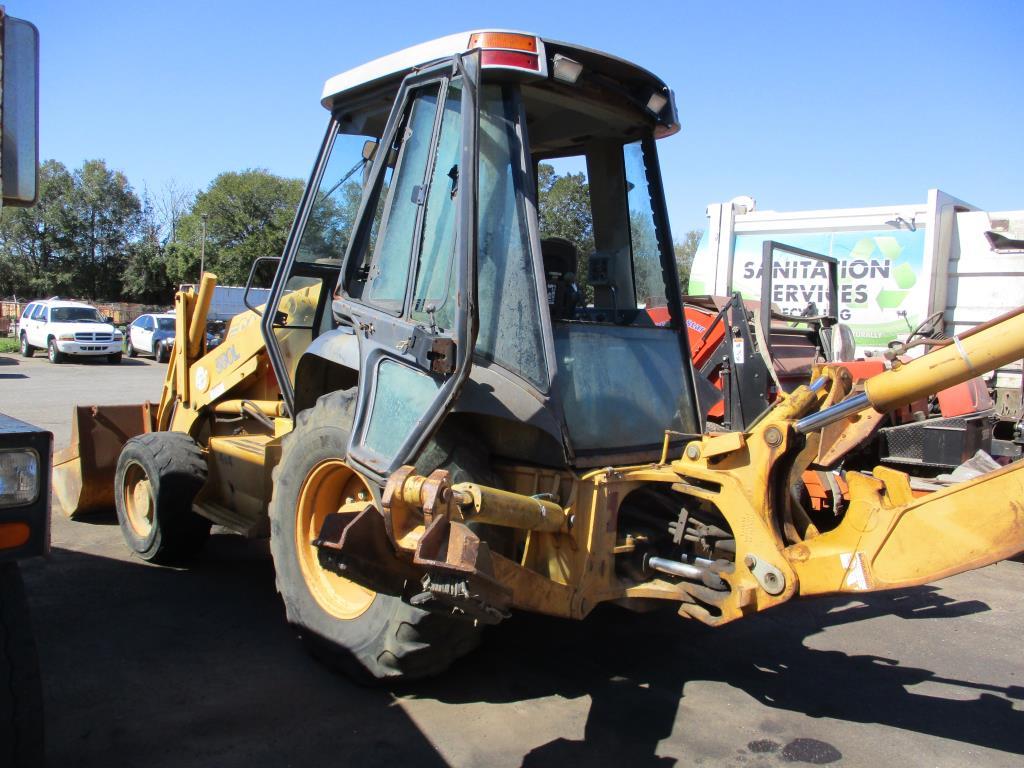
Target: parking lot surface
x,y
152,666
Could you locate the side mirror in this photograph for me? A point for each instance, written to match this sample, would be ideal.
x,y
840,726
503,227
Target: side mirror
x,y
260,273
19,119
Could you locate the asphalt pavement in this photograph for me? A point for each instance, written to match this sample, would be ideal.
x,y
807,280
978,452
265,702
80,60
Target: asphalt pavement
x,y
151,666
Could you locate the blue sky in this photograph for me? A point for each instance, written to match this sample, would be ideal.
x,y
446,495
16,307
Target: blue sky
x,y
801,105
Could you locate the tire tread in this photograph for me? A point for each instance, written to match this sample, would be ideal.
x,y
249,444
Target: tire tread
x,y
414,643
176,457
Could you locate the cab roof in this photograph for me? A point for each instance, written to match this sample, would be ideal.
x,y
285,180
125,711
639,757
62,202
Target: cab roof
x,y
396,66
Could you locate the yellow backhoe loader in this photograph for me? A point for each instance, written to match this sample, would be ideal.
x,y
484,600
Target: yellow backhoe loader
x,y
435,426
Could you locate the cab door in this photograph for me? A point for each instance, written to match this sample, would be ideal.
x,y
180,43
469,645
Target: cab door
x,y
407,287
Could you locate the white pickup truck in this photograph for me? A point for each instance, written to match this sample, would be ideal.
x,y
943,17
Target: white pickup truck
x,y
68,329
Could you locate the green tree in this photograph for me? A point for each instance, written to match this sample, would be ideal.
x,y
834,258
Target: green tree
x,y
564,211
248,214
35,243
106,217
145,277
685,252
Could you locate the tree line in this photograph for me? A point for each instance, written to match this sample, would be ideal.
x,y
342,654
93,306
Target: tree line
x,y
93,236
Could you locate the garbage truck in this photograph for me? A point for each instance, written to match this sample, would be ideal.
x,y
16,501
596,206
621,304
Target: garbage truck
x,y
940,265
435,427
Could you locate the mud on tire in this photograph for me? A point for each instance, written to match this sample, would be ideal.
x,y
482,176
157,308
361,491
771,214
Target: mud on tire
x,y
390,639
169,469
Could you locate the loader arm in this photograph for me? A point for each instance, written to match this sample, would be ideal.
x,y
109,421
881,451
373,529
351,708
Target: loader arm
x,y
889,536
229,379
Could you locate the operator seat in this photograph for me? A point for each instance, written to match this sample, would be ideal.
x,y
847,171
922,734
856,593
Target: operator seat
x,y
559,256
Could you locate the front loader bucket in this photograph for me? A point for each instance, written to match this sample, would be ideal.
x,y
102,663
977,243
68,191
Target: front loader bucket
x,y
890,538
83,473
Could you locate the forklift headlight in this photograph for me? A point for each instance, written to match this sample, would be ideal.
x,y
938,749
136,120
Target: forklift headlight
x,y
19,477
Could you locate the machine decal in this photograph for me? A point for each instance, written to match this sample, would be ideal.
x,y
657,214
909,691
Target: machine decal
x,y
853,564
882,292
226,358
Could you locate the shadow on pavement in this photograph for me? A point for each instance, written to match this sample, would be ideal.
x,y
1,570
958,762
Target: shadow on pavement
x,y
154,666
161,667
635,668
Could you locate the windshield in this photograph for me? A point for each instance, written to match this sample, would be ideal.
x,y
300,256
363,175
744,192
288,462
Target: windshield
x,y
623,379
165,323
75,315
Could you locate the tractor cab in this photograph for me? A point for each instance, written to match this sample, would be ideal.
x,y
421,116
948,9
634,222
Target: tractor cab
x,y
418,269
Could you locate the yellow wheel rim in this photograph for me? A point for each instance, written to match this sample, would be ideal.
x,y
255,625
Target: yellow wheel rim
x,y
139,506
327,486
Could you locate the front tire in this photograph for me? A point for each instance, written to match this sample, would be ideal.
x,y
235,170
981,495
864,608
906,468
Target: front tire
x,y
129,348
54,355
27,350
369,636
21,690
161,354
158,475
114,359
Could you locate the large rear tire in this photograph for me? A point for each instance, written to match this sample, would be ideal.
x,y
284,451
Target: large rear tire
x,y
21,690
369,636
158,475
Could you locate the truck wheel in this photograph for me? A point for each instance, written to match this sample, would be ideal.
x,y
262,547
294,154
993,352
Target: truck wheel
x,y
158,475
369,636
55,355
27,350
114,359
21,690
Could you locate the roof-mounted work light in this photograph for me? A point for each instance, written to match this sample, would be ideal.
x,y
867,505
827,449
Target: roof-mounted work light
x,y
657,103
566,70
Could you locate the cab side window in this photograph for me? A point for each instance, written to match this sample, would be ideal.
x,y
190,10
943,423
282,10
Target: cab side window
x,y
39,313
28,311
382,272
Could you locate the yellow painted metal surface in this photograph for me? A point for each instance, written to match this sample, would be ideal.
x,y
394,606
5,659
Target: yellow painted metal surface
x,y
890,539
964,359
83,473
492,505
327,484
